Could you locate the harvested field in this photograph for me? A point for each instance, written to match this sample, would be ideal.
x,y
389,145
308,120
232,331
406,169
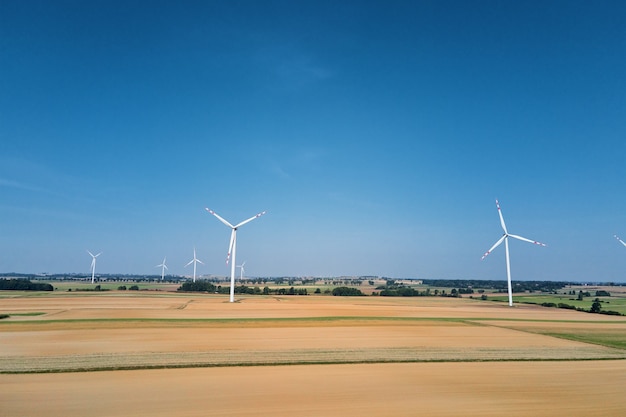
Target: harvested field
x,y
517,389
316,351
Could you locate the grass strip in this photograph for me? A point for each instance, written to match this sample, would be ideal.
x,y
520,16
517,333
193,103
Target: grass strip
x,y
612,340
34,313
322,319
298,363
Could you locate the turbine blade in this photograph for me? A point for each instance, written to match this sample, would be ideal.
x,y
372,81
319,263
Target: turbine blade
x,y
90,253
198,260
494,246
528,240
620,240
98,254
501,217
230,246
189,263
219,218
250,219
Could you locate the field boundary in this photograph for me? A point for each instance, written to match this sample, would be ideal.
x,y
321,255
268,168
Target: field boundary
x,y
231,358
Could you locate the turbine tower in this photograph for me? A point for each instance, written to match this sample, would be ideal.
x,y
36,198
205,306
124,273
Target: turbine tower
x,y
93,265
163,268
621,241
194,261
232,248
505,238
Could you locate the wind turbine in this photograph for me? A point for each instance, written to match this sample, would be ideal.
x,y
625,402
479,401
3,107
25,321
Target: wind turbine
x,y
194,261
163,268
242,270
93,265
621,241
232,248
505,238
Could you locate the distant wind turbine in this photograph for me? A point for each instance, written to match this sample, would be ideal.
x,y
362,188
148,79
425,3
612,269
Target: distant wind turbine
x,y
505,238
194,261
621,241
242,270
232,248
93,265
163,268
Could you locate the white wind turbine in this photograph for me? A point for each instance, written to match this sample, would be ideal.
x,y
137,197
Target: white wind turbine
x,y
621,241
232,248
505,238
163,268
194,261
242,270
93,265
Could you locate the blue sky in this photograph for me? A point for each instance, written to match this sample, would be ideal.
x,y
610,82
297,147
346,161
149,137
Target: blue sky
x,y
377,136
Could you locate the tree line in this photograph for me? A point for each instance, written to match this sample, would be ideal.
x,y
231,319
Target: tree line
x,y
519,286
20,284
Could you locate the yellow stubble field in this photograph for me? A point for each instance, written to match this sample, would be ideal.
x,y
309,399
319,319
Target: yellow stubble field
x,y
198,355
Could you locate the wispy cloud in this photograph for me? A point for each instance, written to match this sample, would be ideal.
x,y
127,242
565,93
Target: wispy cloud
x,y
291,66
19,185
292,165
300,69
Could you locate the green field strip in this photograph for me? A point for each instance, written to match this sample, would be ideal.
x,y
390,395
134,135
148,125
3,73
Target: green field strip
x,y
612,340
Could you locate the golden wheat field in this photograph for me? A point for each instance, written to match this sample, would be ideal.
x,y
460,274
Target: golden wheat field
x,y
117,354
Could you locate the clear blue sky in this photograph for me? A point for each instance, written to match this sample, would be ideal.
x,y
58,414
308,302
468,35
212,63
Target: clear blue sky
x,y
376,134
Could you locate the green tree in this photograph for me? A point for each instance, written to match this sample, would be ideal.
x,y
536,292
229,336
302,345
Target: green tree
x,y
347,291
596,306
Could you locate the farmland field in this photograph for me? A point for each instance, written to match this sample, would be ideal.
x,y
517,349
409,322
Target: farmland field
x,y
170,354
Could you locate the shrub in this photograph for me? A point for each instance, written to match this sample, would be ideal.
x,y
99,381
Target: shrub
x,y
611,313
